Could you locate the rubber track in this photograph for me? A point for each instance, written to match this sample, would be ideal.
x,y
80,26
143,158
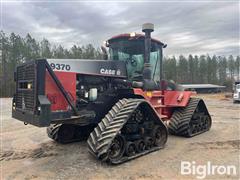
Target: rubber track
x,y
102,136
179,123
53,132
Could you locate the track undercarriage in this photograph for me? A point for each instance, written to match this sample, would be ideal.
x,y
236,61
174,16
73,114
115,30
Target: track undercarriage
x,y
128,131
191,120
132,129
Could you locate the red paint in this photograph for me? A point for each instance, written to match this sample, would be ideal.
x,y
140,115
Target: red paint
x,y
171,98
68,81
165,101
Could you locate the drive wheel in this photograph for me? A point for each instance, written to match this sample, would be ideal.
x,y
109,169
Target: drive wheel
x,y
117,148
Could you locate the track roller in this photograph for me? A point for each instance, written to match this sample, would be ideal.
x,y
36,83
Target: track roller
x,y
140,145
148,142
130,149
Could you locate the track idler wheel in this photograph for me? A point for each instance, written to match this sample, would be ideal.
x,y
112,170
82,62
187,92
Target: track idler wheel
x,y
158,136
117,148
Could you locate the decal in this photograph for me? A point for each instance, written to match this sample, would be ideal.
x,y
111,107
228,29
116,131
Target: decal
x,y
64,67
108,71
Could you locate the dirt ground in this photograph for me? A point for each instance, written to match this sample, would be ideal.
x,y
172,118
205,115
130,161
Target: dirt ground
x,y
27,152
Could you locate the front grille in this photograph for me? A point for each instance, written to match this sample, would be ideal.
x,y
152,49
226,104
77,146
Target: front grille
x,y
25,97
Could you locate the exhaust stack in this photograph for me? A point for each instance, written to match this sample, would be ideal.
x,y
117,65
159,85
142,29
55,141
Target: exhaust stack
x,y
147,28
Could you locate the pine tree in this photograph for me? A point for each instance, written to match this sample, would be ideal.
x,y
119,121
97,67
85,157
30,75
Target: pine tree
x,y
45,49
5,48
214,70
32,48
173,68
231,67
202,69
182,70
237,64
196,70
209,69
191,68
76,52
58,52
89,52
222,69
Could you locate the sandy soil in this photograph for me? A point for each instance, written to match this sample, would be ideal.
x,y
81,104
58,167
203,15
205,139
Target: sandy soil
x,y
27,152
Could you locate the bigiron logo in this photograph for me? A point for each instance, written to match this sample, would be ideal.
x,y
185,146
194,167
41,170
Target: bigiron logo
x,y
201,171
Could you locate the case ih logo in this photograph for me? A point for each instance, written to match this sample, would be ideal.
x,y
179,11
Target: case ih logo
x,y
110,71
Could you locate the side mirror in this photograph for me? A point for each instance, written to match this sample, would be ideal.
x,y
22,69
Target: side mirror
x,y
104,53
165,45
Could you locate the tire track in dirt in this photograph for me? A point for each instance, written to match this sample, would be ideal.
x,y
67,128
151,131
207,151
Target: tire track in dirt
x,y
45,150
230,144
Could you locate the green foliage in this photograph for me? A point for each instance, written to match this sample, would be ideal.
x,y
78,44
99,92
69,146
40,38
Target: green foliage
x,y
231,66
203,69
170,68
182,70
237,64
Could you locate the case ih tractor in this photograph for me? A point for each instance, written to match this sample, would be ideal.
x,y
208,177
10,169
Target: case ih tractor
x,y
121,105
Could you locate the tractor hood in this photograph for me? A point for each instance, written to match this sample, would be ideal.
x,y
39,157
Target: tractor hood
x,y
90,67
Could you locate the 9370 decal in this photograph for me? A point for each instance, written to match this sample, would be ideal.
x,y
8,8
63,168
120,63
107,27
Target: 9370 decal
x,y
64,67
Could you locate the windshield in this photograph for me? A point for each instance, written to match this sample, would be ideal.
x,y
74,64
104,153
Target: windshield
x,y
132,52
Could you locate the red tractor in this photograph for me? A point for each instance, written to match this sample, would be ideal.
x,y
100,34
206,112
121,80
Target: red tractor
x,y
121,104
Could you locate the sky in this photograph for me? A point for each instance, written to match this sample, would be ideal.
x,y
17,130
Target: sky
x,y
196,27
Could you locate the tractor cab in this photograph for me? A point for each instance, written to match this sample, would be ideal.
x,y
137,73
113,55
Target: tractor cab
x,y
130,48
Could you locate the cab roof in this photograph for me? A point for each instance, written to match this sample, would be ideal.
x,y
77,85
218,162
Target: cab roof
x,y
132,36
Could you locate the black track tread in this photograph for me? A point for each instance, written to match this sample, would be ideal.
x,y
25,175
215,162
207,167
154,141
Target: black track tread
x,y
179,122
99,142
115,120
52,132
